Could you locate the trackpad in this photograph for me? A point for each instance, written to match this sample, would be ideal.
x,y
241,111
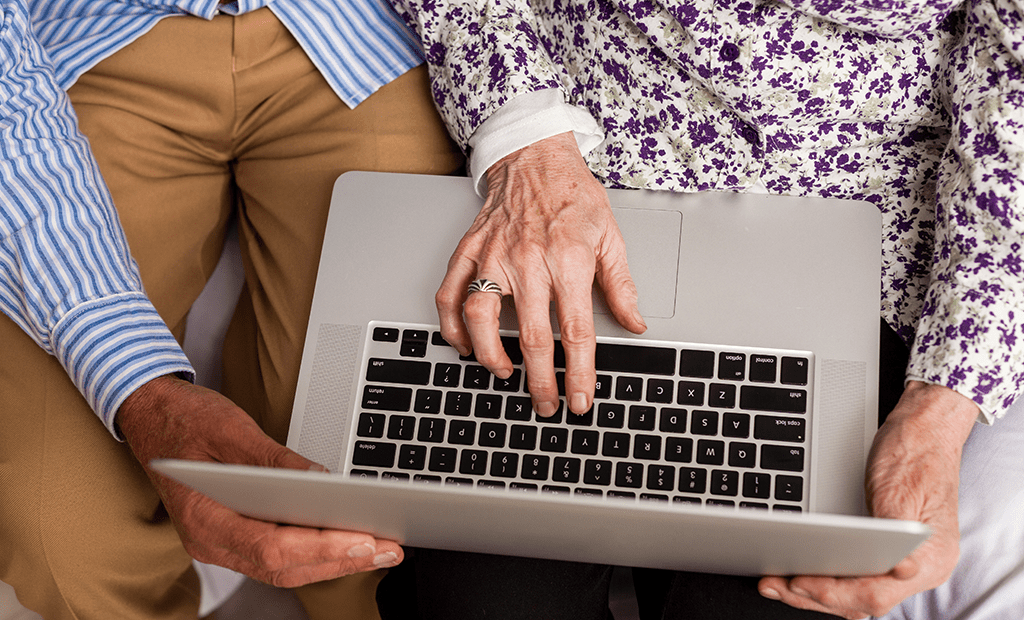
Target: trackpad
x,y
652,249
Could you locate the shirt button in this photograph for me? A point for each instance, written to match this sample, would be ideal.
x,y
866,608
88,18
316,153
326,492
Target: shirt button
x,y
749,134
729,52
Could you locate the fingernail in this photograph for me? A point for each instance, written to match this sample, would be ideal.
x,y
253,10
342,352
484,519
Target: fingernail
x,y
319,467
546,410
360,551
503,373
385,560
769,593
579,402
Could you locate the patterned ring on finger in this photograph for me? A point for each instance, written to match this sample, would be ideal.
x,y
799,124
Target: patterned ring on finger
x,y
483,285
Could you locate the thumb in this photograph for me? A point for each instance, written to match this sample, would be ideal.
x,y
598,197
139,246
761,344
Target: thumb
x,y
281,456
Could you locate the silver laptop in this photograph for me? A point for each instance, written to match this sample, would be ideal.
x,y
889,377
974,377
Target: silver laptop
x,y
731,437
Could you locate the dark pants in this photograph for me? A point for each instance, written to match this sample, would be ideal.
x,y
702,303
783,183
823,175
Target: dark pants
x,y
447,585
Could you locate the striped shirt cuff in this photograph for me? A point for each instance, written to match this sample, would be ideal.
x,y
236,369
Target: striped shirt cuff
x,y
111,347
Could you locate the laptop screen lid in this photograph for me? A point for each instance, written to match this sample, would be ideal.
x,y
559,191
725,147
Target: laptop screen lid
x,y
758,271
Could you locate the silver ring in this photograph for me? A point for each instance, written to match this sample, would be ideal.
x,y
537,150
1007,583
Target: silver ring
x,y
483,285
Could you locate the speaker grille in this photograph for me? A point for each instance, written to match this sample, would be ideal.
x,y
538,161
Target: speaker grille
x,y
840,448
325,419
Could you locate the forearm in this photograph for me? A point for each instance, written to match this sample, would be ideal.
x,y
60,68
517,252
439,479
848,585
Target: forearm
x,y
66,276
971,334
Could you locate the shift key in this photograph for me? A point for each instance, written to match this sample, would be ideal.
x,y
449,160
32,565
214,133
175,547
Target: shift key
x,y
778,400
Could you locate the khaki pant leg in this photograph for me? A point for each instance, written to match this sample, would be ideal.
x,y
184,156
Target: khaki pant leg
x,y
296,138
83,533
88,536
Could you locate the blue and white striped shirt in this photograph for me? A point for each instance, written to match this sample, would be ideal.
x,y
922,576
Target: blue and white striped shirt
x,y
66,275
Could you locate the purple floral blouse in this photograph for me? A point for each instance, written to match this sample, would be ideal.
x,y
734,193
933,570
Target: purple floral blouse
x,y
916,106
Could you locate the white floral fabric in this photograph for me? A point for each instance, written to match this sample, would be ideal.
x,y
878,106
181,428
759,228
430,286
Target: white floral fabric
x,y
917,107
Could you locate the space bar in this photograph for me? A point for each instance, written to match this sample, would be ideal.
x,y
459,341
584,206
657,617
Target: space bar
x,y
635,359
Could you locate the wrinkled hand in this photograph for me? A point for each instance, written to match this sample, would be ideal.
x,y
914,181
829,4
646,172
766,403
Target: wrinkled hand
x,y
171,418
913,473
545,231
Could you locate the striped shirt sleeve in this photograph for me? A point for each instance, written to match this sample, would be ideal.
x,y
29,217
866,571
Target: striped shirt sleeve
x,y
66,275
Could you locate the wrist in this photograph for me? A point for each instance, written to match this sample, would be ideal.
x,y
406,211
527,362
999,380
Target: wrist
x,y
937,408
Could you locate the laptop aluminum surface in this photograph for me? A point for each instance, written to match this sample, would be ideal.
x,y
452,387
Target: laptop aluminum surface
x,y
722,268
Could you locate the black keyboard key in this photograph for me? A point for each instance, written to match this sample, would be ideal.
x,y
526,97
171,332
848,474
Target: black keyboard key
x,y
430,479
704,423
597,472
710,452
458,403
394,475
401,427
742,454
365,474
492,434
611,415
522,486
588,492
554,439
693,480
690,393
437,340
698,364
757,485
629,388
660,390
374,454
458,482
778,400
682,499
762,368
409,372
603,387
661,478
580,419
736,425
641,418
722,395
754,505
678,449
431,430
653,497
488,406
511,384
647,447
442,459
566,470
385,334
725,503
784,458
629,475
522,437
490,484
795,370
462,433
476,378
672,420
504,464
371,425
615,444
427,401
785,508
535,467
555,489
473,462
585,442
414,343
412,457
725,482
555,418
732,366
779,429
447,375
387,398
637,359
622,495
512,350
789,488
518,408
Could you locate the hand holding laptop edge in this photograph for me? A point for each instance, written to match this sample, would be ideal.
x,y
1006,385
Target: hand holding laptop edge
x,y
169,417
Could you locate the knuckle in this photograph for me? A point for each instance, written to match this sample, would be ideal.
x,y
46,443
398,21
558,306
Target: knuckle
x,y
534,339
577,330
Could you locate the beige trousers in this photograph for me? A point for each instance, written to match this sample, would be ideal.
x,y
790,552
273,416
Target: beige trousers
x,y
195,124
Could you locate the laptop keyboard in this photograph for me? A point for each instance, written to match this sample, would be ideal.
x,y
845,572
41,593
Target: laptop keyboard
x,y
671,422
